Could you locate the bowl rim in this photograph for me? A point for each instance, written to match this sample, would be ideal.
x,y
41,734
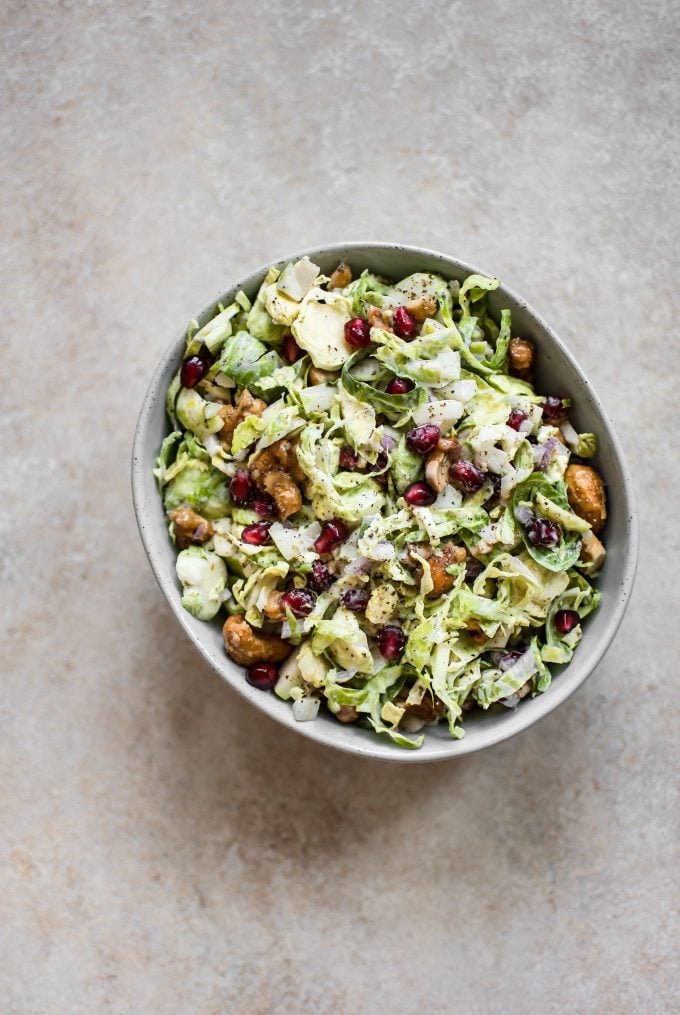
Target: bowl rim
x,y
325,733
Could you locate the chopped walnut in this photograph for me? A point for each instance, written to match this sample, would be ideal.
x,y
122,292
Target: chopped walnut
x,y
422,308
585,491
475,633
341,277
449,554
246,646
347,713
277,470
316,376
520,358
232,415
189,528
378,319
273,608
429,708
592,551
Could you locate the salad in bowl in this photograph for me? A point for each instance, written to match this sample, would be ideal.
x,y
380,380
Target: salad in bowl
x,y
367,493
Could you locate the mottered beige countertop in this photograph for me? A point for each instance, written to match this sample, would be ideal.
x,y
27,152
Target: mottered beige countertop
x,y
164,847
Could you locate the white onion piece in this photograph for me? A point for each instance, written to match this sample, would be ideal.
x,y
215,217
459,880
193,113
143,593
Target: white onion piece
x,y
306,708
360,565
570,435
523,514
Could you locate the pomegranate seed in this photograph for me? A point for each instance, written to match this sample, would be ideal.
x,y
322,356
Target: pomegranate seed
x,y
256,534
399,386
516,418
320,578
543,532
193,370
492,499
264,506
262,676
403,323
419,495
467,477
355,600
391,641
290,349
349,459
553,410
423,439
241,487
300,602
509,659
566,621
473,568
332,534
358,333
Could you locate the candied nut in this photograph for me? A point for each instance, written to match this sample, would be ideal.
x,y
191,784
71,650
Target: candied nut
x,y
592,551
449,554
273,608
246,646
189,528
341,277
452,446
377,319
316,376
428,709
232,415
422,308
520,357
585,491
475,633
277,470
347,713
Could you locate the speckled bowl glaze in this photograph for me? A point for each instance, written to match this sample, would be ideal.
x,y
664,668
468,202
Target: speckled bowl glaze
x,y
556,372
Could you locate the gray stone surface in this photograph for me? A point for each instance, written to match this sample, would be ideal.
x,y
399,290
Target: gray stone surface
x,y
165,848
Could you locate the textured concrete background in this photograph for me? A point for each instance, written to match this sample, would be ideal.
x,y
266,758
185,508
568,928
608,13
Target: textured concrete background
x,y
165,848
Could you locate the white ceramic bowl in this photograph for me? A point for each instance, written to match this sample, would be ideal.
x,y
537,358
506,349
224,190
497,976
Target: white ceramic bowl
x,y
556,372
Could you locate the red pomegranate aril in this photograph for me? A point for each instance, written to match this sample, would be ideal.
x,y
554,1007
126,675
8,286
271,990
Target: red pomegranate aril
x,y
358,333
349,459
391,642
399,386
467,477
256,534
241,487
332,534
193,370
473,568
320,577
355,600
300,602
419,495
516,418
553,410
566,621
542,532
423,439
290,349
403,323
263,676
263,505
494,496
